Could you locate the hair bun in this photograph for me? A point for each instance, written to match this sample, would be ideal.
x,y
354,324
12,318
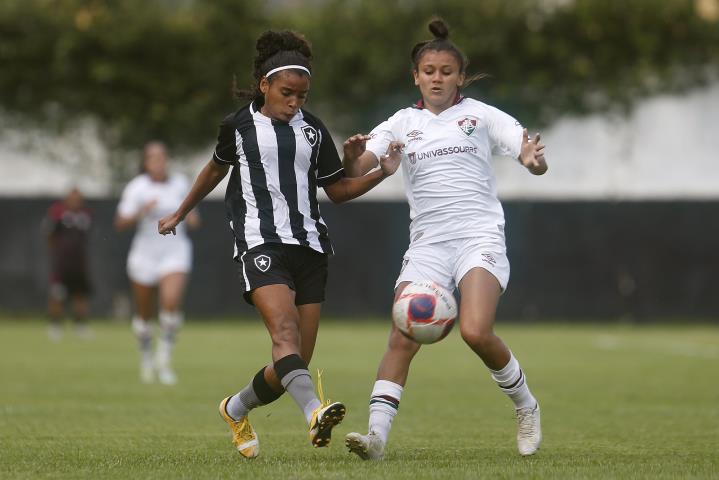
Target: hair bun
x,y
272,42
439,29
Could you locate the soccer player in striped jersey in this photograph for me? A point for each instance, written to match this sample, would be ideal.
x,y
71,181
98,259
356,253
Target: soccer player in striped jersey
x,y
457,229
280,154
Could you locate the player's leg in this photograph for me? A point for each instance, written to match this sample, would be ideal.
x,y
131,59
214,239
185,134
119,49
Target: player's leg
x,y
277,307
144,308
171,294
81,309
265,387
55,307
480,292
79,291
386,393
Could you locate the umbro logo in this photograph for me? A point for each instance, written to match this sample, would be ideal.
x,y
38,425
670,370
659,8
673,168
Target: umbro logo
x,y
415,135
310,134
263,262
489,258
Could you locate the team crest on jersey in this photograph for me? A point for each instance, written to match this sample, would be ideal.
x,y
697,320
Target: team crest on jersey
x,y
263,262
412,157
310,134
467,125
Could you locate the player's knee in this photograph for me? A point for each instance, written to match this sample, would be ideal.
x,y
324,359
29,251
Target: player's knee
x,y
477,338
285,332
400,344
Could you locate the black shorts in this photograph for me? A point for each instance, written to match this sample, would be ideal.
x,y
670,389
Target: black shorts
x,y
302,269
66,282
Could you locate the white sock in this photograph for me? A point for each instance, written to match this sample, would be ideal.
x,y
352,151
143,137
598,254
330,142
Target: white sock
x,y
383,406
170,323
143,331
513,383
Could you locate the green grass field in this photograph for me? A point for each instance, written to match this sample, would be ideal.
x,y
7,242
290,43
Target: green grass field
x,y
617,402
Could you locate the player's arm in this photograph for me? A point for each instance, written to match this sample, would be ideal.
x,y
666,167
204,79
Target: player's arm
x,y
206,181
357,160
125,222
532,154
346,188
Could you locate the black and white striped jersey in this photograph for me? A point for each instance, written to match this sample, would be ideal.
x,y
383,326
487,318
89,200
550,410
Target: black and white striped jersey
x,y
272,191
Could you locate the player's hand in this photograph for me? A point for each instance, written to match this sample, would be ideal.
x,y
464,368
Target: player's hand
x,y
532,154
167,224
355,146
389,162
148,207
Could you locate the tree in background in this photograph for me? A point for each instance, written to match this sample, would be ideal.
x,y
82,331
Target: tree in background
x,y
164,69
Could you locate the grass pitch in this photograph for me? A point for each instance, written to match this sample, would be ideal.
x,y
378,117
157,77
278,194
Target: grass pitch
x,y
617,402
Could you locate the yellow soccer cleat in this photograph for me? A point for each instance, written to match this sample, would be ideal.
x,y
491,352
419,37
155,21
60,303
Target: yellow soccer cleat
x,y
325,417
243,435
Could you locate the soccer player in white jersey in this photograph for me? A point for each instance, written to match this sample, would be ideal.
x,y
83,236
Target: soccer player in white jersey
x,y
158,267
457,228
280,154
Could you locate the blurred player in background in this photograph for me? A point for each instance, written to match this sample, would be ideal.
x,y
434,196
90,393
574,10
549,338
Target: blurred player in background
x,y
158,267
68,224
457,229
280,154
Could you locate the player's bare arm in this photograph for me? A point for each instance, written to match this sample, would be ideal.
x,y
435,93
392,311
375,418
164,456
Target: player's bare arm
x,y
349,188
532,154
357,161
206,181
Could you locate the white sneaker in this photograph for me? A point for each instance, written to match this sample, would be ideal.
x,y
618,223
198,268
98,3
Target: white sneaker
x,y
83,331
367,447
147,372
166,376
54,331
529,433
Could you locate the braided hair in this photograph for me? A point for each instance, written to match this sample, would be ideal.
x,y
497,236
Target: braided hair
x,y
277,49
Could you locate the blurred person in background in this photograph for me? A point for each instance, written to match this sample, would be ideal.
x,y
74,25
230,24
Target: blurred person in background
x,y
457,229
68,224
158,267
280,154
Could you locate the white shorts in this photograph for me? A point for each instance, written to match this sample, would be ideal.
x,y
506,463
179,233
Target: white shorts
x,y
447,262
147,267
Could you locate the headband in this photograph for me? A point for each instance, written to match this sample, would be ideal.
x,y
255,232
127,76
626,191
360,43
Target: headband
x,y
287,67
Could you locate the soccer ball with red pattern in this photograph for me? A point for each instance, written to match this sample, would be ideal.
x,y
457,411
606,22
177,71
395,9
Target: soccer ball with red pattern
x,y
425,312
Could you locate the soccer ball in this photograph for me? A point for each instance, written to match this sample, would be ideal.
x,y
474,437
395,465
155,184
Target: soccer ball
x,y
425,312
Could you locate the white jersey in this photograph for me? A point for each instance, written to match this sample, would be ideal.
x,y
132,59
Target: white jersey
x,y
169,195
448,175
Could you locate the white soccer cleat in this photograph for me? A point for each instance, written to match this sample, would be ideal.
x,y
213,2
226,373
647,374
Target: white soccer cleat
x,y
55,332
367,447
84,332
529,432
166,376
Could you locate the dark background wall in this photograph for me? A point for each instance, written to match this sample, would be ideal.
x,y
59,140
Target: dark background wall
x,y
569,260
